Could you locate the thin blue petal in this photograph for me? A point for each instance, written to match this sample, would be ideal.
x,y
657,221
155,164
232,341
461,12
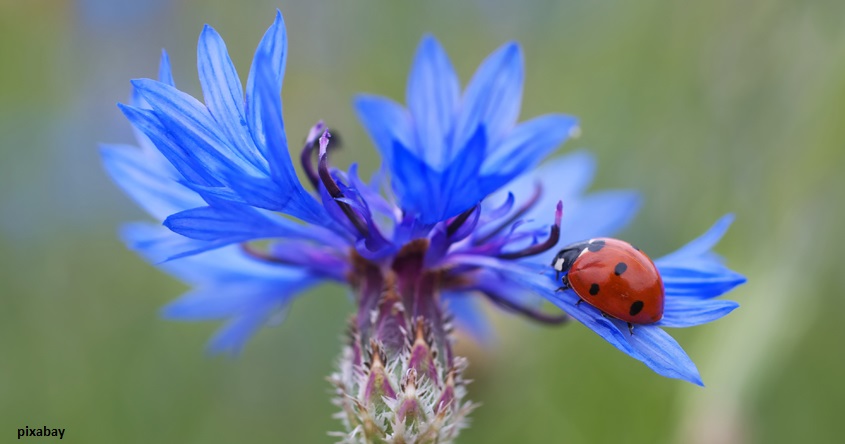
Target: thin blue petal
x,y
661,353
416,185
705,281
158,244
460,187
701,245
232,337
685,312
432,95
224,95
165,75
528,144
592,318
493,96
217,300
188,124
227,264
188,165
231,222
563,178
273,48
143,179
387,123
598,214
468,315
293,199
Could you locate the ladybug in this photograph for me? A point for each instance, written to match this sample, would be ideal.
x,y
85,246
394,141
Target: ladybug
x,y
613,276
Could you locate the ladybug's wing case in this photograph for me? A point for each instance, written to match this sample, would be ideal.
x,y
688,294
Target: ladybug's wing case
x,y
621,281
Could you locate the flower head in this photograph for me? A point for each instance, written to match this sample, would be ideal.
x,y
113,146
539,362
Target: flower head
x,y
458,213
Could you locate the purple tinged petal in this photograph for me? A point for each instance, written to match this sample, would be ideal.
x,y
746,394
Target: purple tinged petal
x,y
165,75
224,95
272,52
387,123
143,178
493,96
370,194
432,95
686,312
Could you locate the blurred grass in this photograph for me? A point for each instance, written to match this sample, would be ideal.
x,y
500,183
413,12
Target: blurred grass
x,y
706,108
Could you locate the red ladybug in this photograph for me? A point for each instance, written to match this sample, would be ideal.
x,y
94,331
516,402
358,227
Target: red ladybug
x,y
615,277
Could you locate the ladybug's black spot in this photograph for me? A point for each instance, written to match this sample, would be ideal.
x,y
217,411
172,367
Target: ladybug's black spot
x,y
594,289
620,268
595,245
636,307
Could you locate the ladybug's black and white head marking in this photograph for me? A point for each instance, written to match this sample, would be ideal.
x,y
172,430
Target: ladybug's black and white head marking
x,y
565,258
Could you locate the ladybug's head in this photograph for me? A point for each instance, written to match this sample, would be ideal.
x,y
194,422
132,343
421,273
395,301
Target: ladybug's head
x,y
565,258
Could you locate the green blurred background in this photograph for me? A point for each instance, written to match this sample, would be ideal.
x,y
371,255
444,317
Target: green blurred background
x,y
706,107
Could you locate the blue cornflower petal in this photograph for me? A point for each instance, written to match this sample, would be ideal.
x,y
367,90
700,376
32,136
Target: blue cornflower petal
x,y
189,124
273,48
563,178
467,314
616,207
460,186
661,353
388,124
188,165
247,292
294,200
165,75
147,180
700,246
233,222
528,144
493,97
158,244
685,312
695,271
224,95
699,280
432,95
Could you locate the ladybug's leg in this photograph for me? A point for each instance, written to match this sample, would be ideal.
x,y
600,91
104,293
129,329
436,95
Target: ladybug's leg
x,y
631,328
579,302
565,286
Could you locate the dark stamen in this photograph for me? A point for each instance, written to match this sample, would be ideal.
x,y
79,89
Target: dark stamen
x,y
456,223
536,315
538,191
305,156
334,190
550,243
